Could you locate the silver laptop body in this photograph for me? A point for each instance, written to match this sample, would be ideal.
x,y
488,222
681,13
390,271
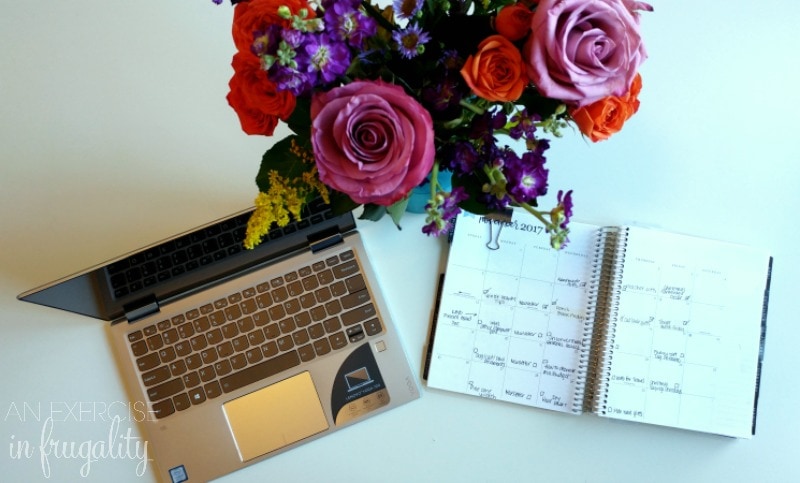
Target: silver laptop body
x,y
243,354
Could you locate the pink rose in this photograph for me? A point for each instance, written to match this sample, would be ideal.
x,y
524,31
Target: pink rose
x,y
371,140
584,50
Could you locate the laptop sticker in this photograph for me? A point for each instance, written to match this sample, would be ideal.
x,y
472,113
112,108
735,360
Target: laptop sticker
x,y
358,388
358,379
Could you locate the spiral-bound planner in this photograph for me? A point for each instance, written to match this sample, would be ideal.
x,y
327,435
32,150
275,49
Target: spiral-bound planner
x,y
624,322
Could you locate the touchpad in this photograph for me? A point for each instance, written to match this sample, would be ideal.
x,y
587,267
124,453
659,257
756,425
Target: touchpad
x,y
275,416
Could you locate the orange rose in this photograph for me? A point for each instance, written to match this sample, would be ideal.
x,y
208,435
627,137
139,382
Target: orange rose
x,y
255,15
254,97
600,119
496,72
514,22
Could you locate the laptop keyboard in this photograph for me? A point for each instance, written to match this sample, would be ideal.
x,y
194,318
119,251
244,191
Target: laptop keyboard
x,y
254,334
198,249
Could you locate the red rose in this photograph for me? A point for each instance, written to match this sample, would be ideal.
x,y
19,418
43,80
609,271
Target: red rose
x,y
254,97
255,15
514,22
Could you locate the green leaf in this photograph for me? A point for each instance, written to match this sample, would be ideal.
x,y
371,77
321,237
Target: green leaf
x,y
341,203
300,120
281,159
372,212
397,210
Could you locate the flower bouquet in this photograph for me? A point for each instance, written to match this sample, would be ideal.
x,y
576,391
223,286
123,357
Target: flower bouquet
x,y
381,100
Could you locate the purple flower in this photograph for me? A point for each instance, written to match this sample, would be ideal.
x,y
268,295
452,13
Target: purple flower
x,y
442,95
493,203
560,218
461,157
526,177
450,208
325,58
565,207
525,125
265,42
434,229
287,79
442,210
406,9
344,19
293,38
411,41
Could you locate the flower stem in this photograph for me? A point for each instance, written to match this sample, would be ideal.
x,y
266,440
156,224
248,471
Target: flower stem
x,y
434,180
471,107
538,214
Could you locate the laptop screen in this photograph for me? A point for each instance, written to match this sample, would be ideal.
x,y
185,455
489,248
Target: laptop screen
x,y
134,284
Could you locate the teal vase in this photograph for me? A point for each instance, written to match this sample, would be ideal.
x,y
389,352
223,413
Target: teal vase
x,y
422,194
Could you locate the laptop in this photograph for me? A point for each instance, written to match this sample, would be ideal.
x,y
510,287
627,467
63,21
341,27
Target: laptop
x,y
243,354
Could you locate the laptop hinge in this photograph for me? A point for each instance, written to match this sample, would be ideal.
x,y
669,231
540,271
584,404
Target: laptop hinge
x,y
141,308
327,242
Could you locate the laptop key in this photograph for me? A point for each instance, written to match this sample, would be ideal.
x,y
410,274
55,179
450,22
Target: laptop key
x,y
373,327
207,373
285,343
306,352
139,348
322,346
238,361
183,348
355,299
355,333
155,342
197,395
156,376
191,379
212,389
338,289
181,401
166,389
163,409
345,269
253,356
272,331
259,371
150,361
316,331
337,340
355,283
358,315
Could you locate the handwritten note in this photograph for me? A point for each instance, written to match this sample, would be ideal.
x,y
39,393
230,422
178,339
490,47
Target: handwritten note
x,y
687,335
512,313
681,343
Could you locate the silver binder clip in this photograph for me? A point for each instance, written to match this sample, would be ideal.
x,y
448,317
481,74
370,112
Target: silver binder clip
x,y
499,219
494,238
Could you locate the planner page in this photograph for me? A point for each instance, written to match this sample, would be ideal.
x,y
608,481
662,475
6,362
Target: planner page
x,y
512,312
687,338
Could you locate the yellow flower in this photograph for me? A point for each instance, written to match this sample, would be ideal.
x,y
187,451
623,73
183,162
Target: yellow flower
x,y
274,206
283,198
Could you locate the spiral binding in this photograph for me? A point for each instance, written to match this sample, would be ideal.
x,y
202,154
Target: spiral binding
x,y
601,320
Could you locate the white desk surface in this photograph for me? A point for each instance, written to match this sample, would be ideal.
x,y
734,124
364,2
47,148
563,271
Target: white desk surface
x,y
115,132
